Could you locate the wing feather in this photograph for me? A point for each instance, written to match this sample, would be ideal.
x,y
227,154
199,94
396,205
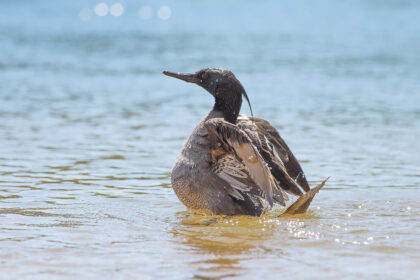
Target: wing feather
x,y
230,138
283,164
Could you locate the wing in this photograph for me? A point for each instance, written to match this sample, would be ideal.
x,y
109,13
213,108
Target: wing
x,y
283,164
301,205
238,162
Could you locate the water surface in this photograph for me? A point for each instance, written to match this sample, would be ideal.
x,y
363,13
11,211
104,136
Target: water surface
x,y
90,128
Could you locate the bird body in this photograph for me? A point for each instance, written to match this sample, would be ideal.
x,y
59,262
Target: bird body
x,y
192,167
233,164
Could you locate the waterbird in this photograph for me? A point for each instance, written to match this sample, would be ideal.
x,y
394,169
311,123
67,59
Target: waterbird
x,y
233,164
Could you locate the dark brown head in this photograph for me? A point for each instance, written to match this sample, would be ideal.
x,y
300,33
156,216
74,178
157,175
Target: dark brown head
x,y
223,85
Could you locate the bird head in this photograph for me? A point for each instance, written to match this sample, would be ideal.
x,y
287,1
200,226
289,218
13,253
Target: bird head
x,y
222,84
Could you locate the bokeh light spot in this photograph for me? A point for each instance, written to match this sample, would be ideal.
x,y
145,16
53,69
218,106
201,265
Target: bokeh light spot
x,y
101,9
85,14
164,12
146,12
116,9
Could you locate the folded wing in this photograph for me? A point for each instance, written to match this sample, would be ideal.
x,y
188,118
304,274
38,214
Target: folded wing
x,y
283,165
238,162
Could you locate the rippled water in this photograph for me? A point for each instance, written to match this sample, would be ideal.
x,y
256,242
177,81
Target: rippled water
x,y
90,128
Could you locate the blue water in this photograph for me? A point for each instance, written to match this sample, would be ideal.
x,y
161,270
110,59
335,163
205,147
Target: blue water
x,y
90,128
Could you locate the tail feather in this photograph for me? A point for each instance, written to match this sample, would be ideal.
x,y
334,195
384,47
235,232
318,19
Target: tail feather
x,y
301,205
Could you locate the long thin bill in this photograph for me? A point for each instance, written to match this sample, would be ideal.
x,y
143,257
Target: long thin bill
x,y
190,78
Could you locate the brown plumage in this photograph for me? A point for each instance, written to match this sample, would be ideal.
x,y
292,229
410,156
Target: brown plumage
x,y
233,164
284,166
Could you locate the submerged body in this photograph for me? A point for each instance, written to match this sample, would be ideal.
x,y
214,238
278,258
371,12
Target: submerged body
x,y
233,164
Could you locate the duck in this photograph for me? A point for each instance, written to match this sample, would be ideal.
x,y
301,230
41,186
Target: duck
x,y
233,164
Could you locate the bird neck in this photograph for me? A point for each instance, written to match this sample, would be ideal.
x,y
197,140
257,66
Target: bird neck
x,y
230,108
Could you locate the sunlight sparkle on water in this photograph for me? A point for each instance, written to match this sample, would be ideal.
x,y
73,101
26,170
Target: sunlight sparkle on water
x,y
164,12
101,9
116,9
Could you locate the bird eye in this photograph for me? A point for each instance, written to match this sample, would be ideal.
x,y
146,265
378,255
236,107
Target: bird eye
x,y
204,76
